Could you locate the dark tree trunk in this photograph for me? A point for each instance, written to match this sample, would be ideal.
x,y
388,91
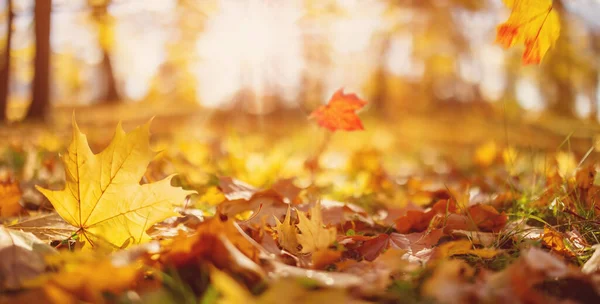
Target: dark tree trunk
x,y
41,79
5,69
560,93
111,95
100,15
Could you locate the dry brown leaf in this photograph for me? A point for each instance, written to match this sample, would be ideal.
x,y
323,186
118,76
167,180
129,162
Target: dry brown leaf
x,y
21,257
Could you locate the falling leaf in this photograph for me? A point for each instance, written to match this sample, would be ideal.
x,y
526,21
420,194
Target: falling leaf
x,y
21,257
103,197
340,112
10,195
532,22
313,235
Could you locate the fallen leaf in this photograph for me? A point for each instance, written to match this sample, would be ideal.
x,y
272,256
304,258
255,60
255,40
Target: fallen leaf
x,y
487,218
554,240
452,282
21,257
313,236
103,197
230,290
217,241
593,264
416,220
340,112
264,203
377,275
10,195
372,248
463,247
46,226
323,258
418,246
287,234
532,22
295,292
91,281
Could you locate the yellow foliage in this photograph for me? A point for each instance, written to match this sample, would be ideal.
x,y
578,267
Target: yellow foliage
x,y
103,197
313,235
286,233
532,22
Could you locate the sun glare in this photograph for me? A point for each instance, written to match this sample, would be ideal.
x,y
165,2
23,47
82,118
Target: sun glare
x,y
251,51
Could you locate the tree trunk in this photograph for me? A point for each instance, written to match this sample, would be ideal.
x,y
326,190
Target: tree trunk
x,y
101,17
561,97
111,94
5,69
41,79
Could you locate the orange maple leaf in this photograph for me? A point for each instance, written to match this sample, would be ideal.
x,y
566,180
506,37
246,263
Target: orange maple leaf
x,y
340,112
532,22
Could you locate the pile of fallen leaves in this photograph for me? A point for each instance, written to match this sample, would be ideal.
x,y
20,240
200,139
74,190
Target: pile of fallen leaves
x,y
262,220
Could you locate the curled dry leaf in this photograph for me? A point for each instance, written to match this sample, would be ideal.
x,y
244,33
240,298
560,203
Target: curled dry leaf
x,y
216,241
265,203
21,257
417,220
593,264
567,244
103,197
46,226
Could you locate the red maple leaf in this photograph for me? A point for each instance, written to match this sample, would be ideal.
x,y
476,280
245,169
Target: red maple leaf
x,y
340,112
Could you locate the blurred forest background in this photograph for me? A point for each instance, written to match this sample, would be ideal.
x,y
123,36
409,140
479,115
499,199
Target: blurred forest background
x,y
265,56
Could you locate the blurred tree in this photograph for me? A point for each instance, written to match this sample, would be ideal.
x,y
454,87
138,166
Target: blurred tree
x,y
41,79
175,78
5,63
105,25
594,79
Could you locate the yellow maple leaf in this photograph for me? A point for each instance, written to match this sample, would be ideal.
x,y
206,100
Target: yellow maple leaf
x,y
103,196
313,235
286,233
532,22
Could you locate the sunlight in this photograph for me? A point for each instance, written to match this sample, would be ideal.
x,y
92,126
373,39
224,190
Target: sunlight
x,y
251,48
